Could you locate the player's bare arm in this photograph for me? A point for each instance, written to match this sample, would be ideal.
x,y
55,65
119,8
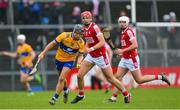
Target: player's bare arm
x,y
100,44
10,54
32,56
134,45
47,48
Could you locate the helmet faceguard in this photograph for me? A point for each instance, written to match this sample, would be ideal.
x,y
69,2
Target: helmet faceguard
x,y
124,20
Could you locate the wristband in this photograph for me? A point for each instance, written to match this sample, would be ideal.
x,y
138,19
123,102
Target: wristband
x,y
92,48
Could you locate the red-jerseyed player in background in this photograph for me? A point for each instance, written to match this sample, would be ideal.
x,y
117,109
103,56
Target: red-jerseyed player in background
x,y
130,59
96,55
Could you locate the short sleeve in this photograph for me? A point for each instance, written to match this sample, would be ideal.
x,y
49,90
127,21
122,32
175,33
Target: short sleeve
x,y
28,48
59,38
130,34
97,30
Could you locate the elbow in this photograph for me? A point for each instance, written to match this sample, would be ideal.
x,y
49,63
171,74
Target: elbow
x,y
135,46
33,55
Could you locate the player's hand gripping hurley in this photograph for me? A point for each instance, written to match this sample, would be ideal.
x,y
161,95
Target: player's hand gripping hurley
x,y
35,68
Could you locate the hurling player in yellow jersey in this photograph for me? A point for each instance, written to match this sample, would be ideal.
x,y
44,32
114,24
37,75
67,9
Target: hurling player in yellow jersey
x,y
25,55
70,45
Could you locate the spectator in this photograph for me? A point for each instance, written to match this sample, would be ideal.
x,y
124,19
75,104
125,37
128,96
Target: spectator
x,y
45,14
95,10
123,13
88,5
34,11
20,13
172,31
76,15
162,40
57,8
3,11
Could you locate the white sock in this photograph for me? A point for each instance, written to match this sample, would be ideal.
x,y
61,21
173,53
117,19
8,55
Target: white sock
x,y
66,91
113,98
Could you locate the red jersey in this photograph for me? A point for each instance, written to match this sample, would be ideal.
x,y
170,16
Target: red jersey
x,y
126,36
91,35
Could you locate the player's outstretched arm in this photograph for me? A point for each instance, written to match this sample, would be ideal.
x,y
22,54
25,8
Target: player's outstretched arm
x,y
32,55
47,48
10,54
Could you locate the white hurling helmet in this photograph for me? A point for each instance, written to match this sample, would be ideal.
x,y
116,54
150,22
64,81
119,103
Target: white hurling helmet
x,y
21,38
124,18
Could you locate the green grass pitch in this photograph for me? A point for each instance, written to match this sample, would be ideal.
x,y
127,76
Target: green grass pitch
x,y
164,98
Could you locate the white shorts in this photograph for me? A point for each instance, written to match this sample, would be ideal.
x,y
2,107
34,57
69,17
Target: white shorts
x,y
101,61
130,64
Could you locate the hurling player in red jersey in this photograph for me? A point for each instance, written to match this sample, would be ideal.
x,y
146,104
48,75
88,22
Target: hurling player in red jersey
x,y
96,55
130,59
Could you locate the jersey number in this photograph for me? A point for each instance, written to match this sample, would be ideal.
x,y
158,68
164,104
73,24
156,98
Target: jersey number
x,y
89,40
123,43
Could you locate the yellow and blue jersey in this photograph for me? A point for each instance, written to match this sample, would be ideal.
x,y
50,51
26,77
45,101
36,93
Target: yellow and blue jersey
x,y
68,48
24,51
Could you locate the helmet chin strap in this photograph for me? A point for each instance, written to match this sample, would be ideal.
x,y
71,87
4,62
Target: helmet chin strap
x,y
86,24
124,28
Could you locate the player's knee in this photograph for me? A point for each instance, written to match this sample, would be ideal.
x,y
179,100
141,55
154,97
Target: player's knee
x,y
110,79
23,81
116,75
61,79
79,76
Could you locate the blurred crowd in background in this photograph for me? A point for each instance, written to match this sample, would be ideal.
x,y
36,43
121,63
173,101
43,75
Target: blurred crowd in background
x,y
57,12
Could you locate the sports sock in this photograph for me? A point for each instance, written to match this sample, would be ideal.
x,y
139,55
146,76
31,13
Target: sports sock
x,y
125,92
115,94
158,77
29,89
66,90
55,96
81,93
